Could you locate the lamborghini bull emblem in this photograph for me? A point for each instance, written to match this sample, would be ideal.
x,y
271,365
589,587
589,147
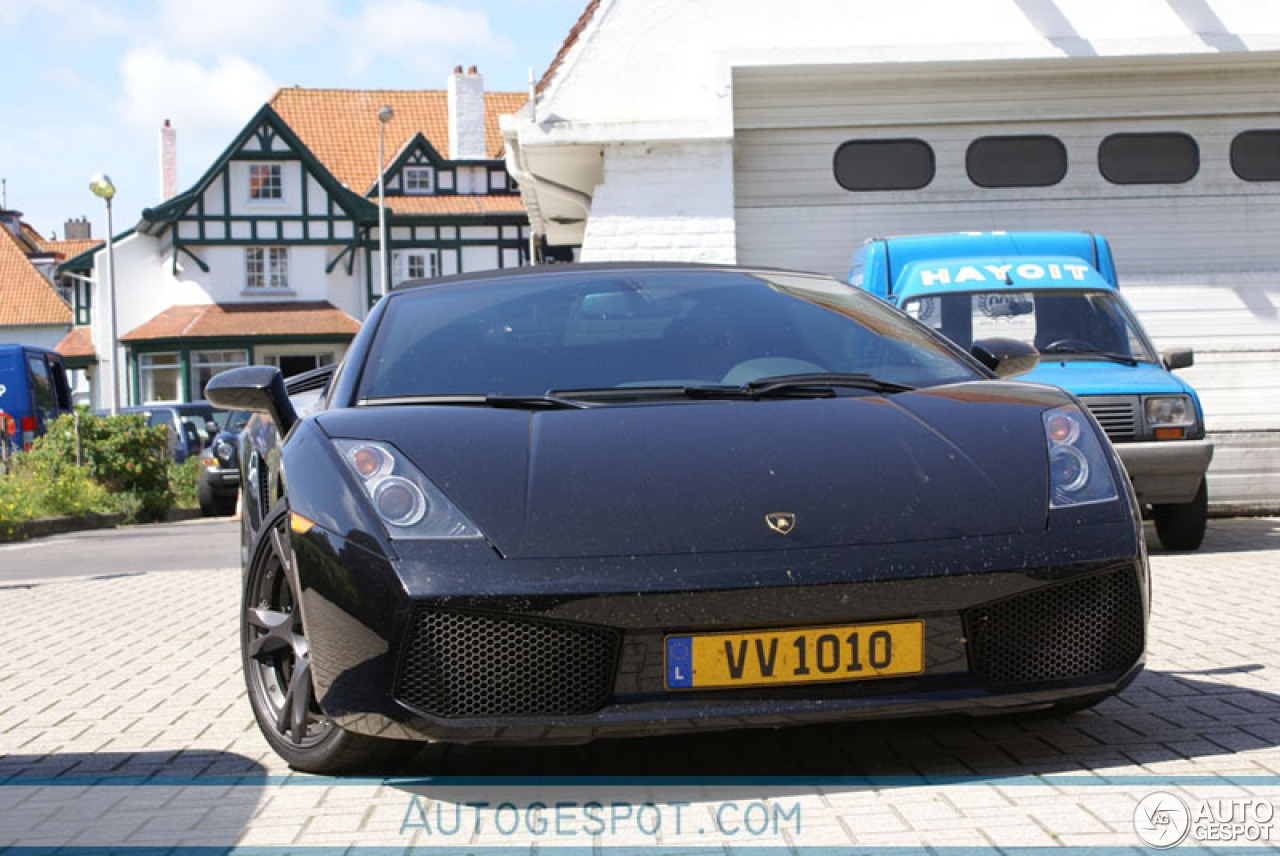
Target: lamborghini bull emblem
x,y
781,522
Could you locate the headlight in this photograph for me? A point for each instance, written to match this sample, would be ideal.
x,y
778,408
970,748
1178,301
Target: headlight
x,y
404,498
1078,471
1169,410
222,449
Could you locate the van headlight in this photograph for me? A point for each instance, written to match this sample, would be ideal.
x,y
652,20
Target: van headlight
x,y
1078,471
1168,410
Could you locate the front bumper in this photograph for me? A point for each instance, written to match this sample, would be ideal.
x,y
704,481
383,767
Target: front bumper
x,y
387,664
221,479
1166,472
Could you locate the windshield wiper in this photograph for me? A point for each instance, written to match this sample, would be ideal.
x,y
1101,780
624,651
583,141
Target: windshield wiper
x,y
822,383
638,393
498,400
1109,356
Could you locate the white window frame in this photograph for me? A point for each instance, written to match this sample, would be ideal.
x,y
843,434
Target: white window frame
x,y
418,180
147,367
213,361
418,264
266,269
274,180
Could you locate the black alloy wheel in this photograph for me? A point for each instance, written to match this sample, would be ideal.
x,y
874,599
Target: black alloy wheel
x,y
277,666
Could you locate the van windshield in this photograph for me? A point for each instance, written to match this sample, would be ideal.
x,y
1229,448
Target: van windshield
x,y
1059,323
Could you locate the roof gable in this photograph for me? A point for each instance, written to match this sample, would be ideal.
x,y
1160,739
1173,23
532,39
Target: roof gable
x,y
341,125
26,297
265,134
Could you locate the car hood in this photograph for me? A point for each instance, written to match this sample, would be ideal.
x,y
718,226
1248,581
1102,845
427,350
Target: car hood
x,y
700,476
1103,377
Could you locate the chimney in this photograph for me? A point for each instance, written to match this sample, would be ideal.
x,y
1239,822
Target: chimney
x,y
168,161
77,230
11,220
466,115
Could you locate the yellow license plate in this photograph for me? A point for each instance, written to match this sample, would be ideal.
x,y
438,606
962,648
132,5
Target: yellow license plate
x,y
799,656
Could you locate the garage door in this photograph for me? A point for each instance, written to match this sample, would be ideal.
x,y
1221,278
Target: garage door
x,y
1176,163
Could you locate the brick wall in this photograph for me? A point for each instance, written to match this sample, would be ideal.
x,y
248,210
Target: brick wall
x,y
663,202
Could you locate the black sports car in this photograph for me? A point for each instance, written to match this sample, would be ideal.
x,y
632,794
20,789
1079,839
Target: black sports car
x,y
581,501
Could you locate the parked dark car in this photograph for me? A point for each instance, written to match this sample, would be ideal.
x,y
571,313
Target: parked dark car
x,y
561,504
192,425
219,481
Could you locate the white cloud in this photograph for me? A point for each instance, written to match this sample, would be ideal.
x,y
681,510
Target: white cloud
x,y
413,32
219,97
239,25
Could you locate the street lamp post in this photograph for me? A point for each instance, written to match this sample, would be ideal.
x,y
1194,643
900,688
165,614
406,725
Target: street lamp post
x,y
384,116
102,188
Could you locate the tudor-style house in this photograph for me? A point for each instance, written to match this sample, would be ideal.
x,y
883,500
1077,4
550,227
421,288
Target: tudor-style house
x,y
272,256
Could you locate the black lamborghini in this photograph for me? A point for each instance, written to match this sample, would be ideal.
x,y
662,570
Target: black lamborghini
x,y
573,502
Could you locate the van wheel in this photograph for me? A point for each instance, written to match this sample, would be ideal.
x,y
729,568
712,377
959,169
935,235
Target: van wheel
x,y
1181,527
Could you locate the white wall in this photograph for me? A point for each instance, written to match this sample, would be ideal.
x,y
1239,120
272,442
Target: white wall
x,y
40,336
663,202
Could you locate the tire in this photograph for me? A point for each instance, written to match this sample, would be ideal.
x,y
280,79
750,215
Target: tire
x,y
277,668
208,504
1181,527
224,506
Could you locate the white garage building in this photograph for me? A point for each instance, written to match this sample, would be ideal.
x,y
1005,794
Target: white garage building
x,y
731,131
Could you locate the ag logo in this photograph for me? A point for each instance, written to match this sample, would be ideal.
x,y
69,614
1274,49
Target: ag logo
x,y
1161,820
781,522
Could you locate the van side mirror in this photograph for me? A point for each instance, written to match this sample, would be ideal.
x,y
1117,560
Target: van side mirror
x,y
259,389
1178,358
1006,357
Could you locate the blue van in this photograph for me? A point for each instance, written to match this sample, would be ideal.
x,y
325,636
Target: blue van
x,y
33,392
1058,292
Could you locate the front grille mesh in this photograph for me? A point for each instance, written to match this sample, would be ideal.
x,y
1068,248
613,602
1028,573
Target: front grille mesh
x,y
1117,415
1087,627
474,665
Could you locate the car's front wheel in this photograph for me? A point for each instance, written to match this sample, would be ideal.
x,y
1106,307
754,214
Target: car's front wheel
x,y
277,667
1182,527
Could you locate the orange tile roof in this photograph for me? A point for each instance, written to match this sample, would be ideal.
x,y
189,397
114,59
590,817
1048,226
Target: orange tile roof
x,y
69,249
460,204
26,297
77,343
234,320
29,232
340,126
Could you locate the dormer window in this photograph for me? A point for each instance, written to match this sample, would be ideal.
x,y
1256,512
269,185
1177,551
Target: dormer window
x,y
265,183
419,179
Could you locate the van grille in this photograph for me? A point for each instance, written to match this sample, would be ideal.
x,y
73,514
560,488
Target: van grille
x,y
1118,415
475,664
1086,627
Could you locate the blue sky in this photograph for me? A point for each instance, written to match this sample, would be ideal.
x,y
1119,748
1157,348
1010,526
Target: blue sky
x,y
87,83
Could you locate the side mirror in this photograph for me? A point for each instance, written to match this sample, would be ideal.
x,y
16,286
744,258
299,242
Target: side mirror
x,y
259,389
1178,358
1006,357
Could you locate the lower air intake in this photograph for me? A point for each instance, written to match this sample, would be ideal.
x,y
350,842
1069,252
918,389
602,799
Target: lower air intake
x,y
1086,627
480,665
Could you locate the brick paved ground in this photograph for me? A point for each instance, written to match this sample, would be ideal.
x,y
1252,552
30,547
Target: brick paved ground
x,y
137,676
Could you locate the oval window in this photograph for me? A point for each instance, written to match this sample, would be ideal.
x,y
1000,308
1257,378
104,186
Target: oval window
x,y
1025,161
1166,158
1255,155
866,165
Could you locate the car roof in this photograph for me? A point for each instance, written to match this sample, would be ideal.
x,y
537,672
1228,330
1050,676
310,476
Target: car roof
x,y
586,268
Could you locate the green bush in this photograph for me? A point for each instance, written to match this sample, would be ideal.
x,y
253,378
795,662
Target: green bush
x,y
121,453
184,481
45,488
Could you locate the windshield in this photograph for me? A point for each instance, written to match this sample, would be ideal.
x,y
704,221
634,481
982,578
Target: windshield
x,y
1060,323
648,328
